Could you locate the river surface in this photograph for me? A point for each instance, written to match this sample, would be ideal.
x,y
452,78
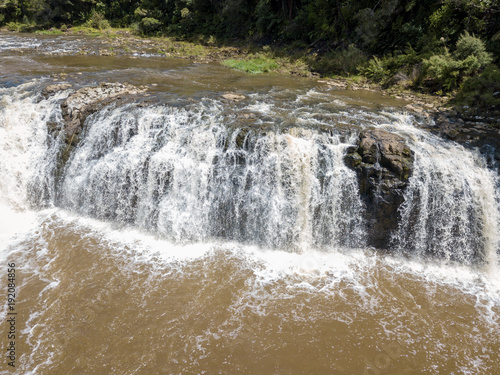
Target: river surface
x,y
189,234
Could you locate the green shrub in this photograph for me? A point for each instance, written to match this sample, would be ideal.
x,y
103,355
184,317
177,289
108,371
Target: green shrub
x,y
345,61
266,20
14,26
20,27
149,25
481,92
374,70
468,45
444,70
97,21
449,70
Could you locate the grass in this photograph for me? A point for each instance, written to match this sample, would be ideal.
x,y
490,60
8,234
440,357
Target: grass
x,y
259,64
49,32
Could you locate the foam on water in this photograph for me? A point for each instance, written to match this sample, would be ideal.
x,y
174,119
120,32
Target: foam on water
x,y
239,234
14,42
313,270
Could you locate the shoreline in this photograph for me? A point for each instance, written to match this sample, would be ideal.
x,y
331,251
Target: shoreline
x,y
122,42
448,122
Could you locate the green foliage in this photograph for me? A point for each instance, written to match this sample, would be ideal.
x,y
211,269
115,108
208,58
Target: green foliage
x,y
21,26
448,70
148,25
97,21
267,21
383,69
49,32
374,70
345,61
482,92
444,70
469,46
15,26
259,64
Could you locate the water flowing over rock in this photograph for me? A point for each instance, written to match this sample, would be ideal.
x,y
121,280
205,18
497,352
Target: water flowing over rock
x,y
88,100
383,162
252,173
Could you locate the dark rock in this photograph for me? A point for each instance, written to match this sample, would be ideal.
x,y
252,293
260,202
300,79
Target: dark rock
x,y
85,101
383,163
353,160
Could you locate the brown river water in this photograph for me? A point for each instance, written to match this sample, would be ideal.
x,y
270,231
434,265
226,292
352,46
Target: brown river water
x,y
205,275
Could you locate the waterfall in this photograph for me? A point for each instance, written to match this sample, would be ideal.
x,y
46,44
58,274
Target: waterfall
x,y
450,205
188,174
185,174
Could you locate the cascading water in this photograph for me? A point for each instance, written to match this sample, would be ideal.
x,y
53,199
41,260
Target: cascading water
x,y
450,207
188,176
189,239
191,175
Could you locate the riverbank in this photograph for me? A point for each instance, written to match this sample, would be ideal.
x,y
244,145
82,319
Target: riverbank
x,y
240,55
449,121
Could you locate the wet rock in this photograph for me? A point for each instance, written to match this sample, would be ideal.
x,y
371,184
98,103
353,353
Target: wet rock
x,y
88,100
383,163
234,97
353,160
466,130
414,108
53,89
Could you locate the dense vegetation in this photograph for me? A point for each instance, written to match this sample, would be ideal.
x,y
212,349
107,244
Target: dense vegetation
x,y
435,45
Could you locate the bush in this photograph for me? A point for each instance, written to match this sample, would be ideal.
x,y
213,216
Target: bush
x,y
345,61
468,45
374,70
149,25
449,71
444,70
20,27
97,21
481,92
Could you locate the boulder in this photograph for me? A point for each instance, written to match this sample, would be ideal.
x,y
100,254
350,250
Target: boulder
x,y
234,97
383,163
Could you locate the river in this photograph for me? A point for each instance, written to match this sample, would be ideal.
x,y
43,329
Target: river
x,y
190,234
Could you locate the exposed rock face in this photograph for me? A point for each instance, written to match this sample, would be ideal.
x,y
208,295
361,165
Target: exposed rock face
x,y
471,132
78,106
383,163
88,100
52,89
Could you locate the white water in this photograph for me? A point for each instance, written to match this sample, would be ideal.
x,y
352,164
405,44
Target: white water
x,y
173,188
187,175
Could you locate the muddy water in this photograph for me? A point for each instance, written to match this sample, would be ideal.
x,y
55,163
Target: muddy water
x,y
99,295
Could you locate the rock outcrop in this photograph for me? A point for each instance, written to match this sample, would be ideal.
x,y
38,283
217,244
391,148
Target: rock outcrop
x,y
481,133
88,100
53,89
85,101
383,163
233,97
78,106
